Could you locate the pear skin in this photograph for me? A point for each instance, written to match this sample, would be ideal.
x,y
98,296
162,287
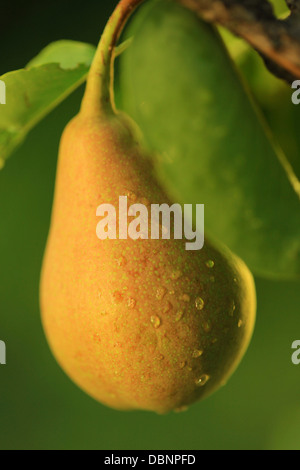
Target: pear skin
x,y
135,323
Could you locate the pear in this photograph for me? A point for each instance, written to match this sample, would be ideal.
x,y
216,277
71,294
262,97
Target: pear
x,y
137,324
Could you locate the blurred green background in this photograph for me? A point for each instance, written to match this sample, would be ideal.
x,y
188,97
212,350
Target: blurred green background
x,y
40,408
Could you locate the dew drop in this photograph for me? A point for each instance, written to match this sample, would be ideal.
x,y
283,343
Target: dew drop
x,y
122,261
210,264
168,307
240,323
131,302
197,353
202,380
179,315
231,312
176,275
155,320
160,293
161,357
182,364
131,196
171,292
199,303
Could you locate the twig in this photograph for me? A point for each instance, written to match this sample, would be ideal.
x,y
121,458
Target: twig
x,y
278,41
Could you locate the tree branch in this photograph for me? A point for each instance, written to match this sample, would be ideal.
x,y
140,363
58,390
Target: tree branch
x,y
278,41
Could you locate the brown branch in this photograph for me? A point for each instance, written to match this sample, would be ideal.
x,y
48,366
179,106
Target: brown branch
x,y
278,41
294,5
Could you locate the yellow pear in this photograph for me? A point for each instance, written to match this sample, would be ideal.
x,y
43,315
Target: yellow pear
x,y
138,324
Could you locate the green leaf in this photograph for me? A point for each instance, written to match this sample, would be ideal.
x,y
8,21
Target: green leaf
x,y
33,92
178,82
68,54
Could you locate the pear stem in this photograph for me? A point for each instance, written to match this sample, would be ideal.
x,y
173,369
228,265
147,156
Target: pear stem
x,y
99,93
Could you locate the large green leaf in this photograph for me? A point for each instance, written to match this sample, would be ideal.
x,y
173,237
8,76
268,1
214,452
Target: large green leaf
x,y
33,92
178,82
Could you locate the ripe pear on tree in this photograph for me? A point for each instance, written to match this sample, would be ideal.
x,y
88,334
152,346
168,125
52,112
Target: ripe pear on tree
x,y
137,324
